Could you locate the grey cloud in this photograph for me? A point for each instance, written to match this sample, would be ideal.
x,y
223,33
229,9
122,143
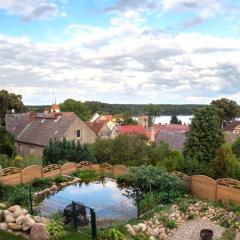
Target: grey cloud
x,y
122,5
42,12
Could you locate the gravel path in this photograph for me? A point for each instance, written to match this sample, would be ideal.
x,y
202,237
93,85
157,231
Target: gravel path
x,y
191,230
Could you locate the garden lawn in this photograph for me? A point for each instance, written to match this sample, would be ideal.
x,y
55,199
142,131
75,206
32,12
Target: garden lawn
x,y
75,236
8,236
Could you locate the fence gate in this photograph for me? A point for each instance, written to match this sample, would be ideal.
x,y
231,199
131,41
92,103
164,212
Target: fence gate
x,y
83,219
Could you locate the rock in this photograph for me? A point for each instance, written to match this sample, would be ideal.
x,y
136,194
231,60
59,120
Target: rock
x,y
9,218
14,208
81,214
3,206
19,212
5,213
136,228
3,226
27,223
39,232
163,236
130,230
19,220
14,226
152,238
1,215
155,232
142,227
39,219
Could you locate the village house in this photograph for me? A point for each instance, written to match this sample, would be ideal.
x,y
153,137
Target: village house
x,y
103,126
141,128
233,127
172,134
32,131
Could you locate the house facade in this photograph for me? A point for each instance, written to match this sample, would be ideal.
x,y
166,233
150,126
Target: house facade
x,y
32,131
103,126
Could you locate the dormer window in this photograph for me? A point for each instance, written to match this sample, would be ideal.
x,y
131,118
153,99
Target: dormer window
x,y
78,133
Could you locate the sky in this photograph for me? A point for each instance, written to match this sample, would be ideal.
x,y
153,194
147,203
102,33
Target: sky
x,y
120,51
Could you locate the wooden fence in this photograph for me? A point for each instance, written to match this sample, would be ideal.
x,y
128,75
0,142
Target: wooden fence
x,y
14,176
225,190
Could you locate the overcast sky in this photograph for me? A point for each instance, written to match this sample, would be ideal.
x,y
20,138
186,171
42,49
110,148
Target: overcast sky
x,y
121,51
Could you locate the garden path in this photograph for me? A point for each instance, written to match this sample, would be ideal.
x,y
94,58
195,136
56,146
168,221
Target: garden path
x,y
191,230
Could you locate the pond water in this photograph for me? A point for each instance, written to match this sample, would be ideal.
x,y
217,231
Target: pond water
x,y
105,197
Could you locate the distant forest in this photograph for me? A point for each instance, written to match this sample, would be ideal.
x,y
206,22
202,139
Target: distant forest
x,y
134,109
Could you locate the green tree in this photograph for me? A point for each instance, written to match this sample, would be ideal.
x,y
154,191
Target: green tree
x,y
9,101
152,111
162,156
130,150
225,164
77,107
70,151
175,120
205,136
236,147
7,146
227,109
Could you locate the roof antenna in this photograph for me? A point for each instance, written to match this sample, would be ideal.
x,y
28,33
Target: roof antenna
x,y
53,96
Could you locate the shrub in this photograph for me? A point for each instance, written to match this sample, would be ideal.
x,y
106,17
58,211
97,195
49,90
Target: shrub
x,y
111,234
18,195
170,224
225,164
58,151
150,178
55,229
86,175
60,178
41,183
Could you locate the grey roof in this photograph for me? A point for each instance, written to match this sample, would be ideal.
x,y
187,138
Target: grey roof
x,y
175,140
231,126
43,128
15,123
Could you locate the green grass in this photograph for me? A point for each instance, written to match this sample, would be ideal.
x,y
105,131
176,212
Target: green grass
x,y
8,236
86,175
75,236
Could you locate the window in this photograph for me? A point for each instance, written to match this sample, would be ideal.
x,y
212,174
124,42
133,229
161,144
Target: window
x,y
31,150
78,133
20,148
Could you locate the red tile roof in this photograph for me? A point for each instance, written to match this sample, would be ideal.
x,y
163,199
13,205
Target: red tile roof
x,y
132,129
55,107
106,117
97,125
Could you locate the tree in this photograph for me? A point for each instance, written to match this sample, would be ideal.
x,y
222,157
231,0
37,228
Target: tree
x,y
236,147
226,164
129,150
70,151
9,101
77,107
205,136
7,146
152,111
162,156
175,120
227,109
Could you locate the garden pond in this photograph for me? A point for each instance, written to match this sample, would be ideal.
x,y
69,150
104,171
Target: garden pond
x,y
107,199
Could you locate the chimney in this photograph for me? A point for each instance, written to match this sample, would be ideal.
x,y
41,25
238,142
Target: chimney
x,y
32,117
152,134
46,111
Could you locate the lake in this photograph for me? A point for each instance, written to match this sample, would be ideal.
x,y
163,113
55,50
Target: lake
x,y
166,119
